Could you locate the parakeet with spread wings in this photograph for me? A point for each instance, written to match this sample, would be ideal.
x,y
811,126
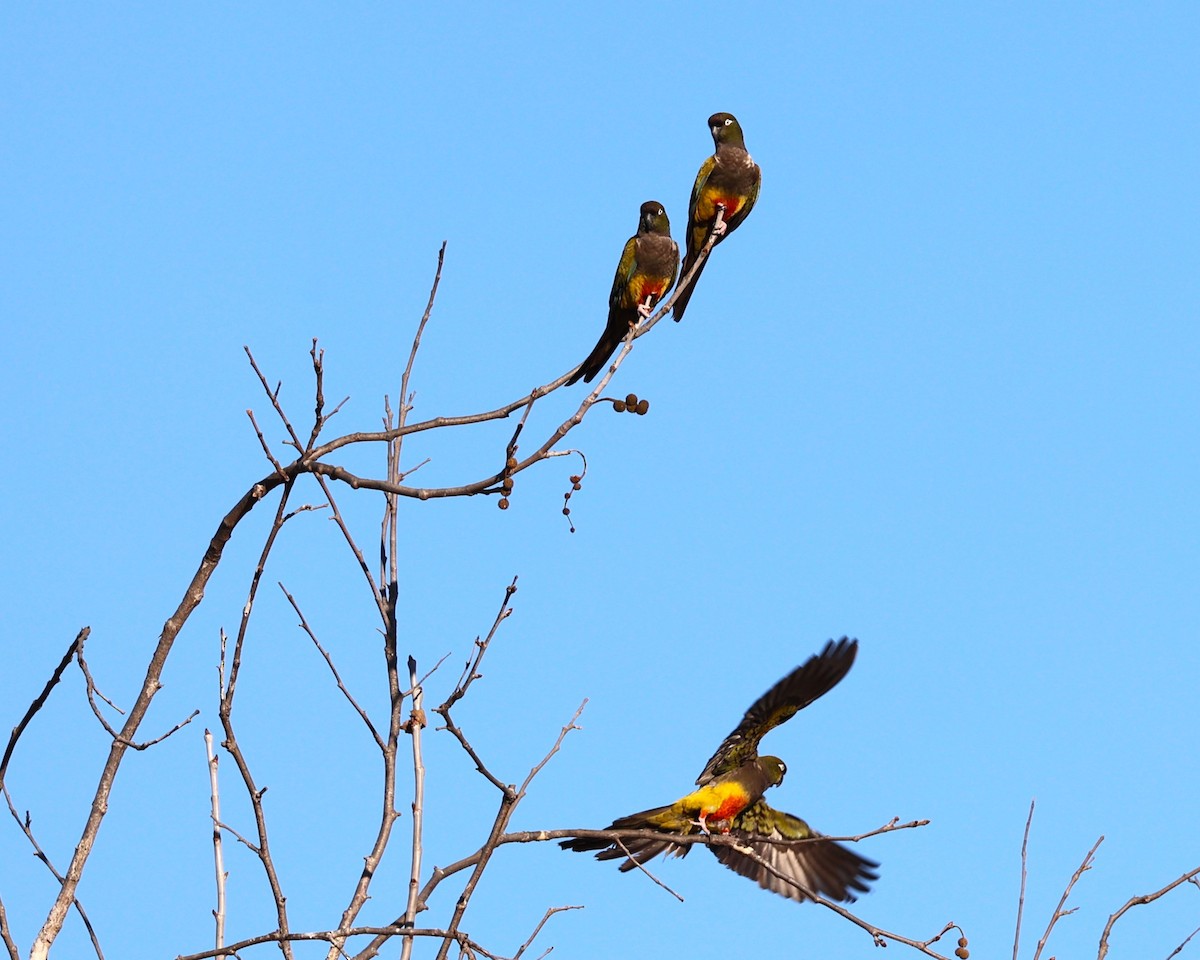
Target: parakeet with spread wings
x,y
729,800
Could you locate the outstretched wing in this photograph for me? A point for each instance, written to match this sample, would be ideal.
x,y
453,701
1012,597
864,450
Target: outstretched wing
x,y
794,870
794,692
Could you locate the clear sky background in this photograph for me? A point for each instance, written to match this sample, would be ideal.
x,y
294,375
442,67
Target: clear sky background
x,y
938,392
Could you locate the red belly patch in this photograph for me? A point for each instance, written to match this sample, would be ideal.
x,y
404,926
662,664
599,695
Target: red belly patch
x,y
730,807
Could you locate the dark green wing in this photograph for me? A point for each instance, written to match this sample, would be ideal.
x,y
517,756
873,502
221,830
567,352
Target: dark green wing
x,y
819,866
618,299
697,234
794,692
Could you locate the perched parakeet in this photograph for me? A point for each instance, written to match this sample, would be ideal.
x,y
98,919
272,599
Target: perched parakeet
x,y
647,270
729,179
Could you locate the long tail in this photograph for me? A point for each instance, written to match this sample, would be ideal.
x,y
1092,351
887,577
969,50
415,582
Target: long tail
x,y
605,347
636,850
685,293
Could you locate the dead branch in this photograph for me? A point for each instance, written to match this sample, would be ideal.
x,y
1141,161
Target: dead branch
x,y
470,675
10,945
333,669
263,442
26,825
40,700
218,852
508,805
1138,901
538,929
1059,912
1179,949
331,937
416,723
1024,862
93,692
225,711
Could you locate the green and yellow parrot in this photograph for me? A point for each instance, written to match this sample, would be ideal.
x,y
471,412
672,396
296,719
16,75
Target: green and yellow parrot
x,y
730,801
728,180
647,270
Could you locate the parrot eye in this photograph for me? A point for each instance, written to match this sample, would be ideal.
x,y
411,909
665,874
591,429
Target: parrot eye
x,y
728,121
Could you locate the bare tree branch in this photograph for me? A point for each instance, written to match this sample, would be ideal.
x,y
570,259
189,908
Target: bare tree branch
x,y
416,723
1179,949
93,691
333,669
470,675
1024,863
40,700
230,743
1137,901
508,804
26,825
263,442
538,929
332,937
218,852
1059,912
6,935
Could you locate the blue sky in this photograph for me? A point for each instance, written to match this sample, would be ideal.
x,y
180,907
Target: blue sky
x,y
939,392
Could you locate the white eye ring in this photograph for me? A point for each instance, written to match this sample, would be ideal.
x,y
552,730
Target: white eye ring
x,y
728,121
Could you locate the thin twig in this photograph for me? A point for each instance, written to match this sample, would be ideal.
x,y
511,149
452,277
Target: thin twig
x,y
878,934
93,691
642,867
538,929
218,852
562,735
332,669
337,518
273,396
416,723
266,448
470,675
281,517
40,700
1179,949
225,712
416,344
1024,863
1059,912
26,825
508,804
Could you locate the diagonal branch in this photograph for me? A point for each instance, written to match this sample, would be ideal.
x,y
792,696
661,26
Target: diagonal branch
x,y
1138,901
538,929
508,805
1059,912
40,700
332,668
